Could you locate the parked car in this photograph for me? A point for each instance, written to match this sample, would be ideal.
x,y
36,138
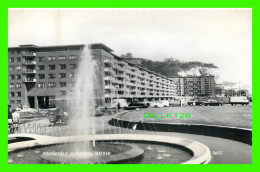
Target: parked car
x,y
121,102
198,103
175,103
239,100
149,104
136,104
166,102
161,104
212,102
191,103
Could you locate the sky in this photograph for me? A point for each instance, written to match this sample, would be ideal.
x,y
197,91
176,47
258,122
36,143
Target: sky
x,y
219,36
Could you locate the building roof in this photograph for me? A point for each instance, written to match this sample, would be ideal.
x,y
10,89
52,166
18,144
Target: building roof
x,y
53,46
100,46
191,76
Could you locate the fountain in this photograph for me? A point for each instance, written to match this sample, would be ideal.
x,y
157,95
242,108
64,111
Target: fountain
x,y
84,146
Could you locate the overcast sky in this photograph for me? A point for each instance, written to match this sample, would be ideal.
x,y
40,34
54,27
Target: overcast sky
x,y
222,37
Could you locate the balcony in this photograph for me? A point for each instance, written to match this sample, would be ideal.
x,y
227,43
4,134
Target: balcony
x,y
121,75
29,54
107,61
120,89
107,95
133,79
27,71
29,62
108,87
29,80
108,78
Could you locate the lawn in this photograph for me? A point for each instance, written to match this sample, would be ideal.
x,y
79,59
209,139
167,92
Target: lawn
x,y
227,115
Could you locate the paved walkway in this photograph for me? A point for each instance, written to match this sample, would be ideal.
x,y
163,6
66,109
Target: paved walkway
x,y
223,151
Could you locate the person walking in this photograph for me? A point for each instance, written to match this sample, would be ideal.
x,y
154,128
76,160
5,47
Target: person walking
x,y
10,120
16,119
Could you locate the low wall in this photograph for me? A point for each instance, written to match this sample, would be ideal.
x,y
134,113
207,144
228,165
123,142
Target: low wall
x,y
237,134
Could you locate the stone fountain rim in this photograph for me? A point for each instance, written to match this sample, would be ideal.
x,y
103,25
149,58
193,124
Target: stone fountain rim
x,y
201,153
134,152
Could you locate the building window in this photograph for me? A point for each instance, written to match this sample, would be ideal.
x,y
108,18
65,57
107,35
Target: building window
x,y
18,85
11,85
18,76
41,67
51,58
18,59
73,66
62,75
62,66
12,60
62,84
41,76
12,101
52,84
51,76
51,67
19,94
18,68
41,85
72,84
41,59
11,94
11,68
72,75
11,76
62,58
18,101
72,57
62,93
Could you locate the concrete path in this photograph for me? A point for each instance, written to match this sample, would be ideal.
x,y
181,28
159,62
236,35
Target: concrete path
x,y
223,151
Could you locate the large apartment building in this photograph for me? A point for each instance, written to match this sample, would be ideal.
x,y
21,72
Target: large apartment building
x,y
38,76
41,76
123,79
194,85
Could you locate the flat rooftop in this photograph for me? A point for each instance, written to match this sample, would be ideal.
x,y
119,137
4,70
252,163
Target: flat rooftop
x,y
31,46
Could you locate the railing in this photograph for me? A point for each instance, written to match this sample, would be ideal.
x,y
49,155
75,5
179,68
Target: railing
x,y
25,71
43,129
29,54
29,62
29,80
107,61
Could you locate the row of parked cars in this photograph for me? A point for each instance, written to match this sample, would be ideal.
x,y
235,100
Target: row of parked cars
x,y
220,102
165,103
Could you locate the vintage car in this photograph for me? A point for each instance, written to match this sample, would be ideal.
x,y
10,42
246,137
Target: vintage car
x,y
212,102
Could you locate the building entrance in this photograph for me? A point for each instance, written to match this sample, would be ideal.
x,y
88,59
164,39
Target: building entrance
x,y
31,101
43,102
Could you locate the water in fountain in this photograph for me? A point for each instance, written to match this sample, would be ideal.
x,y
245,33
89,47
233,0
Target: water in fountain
x,y
82,100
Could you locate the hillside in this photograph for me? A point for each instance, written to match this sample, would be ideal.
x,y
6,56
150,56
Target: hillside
x,y
175,67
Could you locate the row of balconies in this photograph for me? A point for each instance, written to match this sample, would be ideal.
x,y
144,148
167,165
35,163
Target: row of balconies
x,y
112,88
132,77
139,73
139,95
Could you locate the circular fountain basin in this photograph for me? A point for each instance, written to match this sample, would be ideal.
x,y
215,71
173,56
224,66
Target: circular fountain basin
x,y
107,153
135,146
